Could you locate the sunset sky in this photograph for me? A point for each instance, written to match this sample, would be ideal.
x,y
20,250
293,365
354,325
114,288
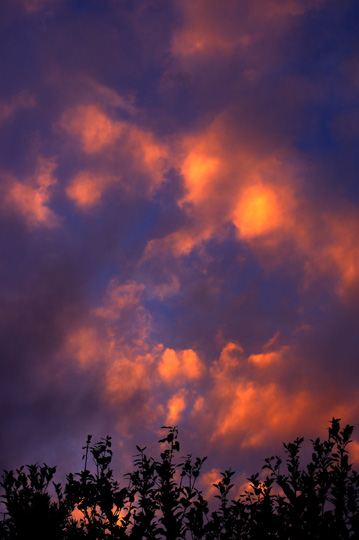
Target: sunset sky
x,y
179,202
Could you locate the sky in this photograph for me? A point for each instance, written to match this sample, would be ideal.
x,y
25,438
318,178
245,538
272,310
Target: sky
x,y
179,231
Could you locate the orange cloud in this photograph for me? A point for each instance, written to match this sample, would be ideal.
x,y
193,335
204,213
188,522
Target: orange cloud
x,y
179,243
117,340
245,409
127,367
30,198
209,28
199,169
259,211
206,481
119,297
242,402
269,358
85,345
342,248
149,154
250,411
328,241
202,162
86,188
266,359
229,358
180,365
92,127
124,152
128,374
250,190
126,318
354,452
176,405
228,181
271,341
165,289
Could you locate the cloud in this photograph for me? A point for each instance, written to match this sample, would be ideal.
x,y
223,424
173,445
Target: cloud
x,y
266,359
113,341
35,6
127,376
226,181
354,452
261,210
206,481
123,152
251,30
134,367
179,365
235,183
250,411
255,413
122,308
240,399
165,289
23,100
30,197
333,247
230,183
190,253
176,405
92,127
108,96
86,187
85,345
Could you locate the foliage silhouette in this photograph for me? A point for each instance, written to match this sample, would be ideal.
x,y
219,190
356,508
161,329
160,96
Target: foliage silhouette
x,y
161,499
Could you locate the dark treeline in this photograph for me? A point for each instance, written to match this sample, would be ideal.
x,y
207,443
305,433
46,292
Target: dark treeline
x,y
160,498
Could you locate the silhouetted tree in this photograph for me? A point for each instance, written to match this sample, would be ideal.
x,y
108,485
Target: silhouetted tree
x,y
161,500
